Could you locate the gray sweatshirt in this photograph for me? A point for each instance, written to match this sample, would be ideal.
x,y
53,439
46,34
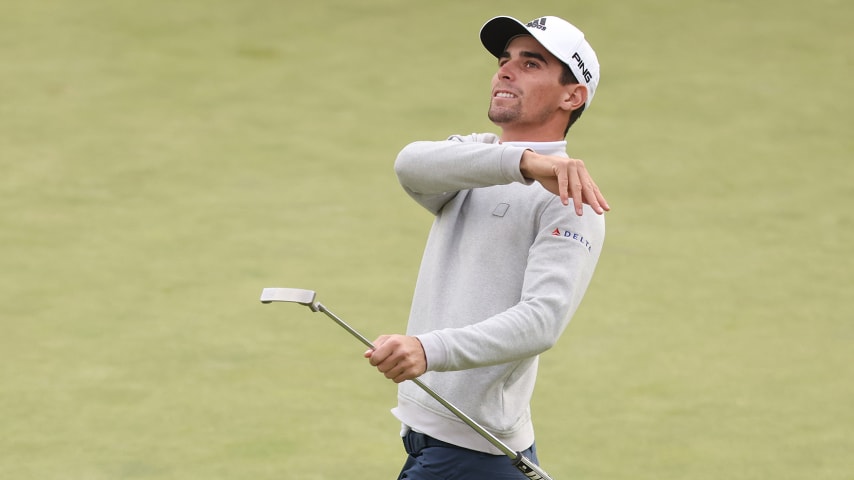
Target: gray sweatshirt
x,y
505,267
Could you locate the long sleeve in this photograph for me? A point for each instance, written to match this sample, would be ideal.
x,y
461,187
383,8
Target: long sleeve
x,y
555,272
433,172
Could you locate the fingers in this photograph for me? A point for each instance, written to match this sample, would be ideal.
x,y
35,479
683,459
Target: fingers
x,y
377,343
593,197
567,178
590,198
400,373
597,200
577,186
584,190
398,357
562,184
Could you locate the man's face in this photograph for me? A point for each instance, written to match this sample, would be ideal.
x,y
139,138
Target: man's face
x,y
526,89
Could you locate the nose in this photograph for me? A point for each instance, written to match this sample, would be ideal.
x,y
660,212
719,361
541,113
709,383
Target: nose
x,y
504,71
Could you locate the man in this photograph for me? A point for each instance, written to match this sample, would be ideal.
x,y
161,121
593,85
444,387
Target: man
x,y
507,260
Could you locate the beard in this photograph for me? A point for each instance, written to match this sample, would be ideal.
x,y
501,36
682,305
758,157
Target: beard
x,y
516,114
499,115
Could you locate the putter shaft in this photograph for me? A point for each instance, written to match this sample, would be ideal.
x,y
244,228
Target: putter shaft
x,y
307,298
459,413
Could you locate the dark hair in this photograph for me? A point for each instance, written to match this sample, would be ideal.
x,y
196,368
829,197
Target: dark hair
x,y
567,78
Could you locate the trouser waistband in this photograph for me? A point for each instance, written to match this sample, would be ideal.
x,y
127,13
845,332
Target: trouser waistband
x,y
414,442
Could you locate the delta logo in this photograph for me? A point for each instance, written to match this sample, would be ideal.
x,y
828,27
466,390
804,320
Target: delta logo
x,y
574,236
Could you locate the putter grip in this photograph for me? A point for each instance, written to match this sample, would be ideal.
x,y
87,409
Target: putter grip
x,y
529,468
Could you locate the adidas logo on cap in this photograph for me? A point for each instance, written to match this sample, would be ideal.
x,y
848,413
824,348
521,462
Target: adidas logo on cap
x,y
538,23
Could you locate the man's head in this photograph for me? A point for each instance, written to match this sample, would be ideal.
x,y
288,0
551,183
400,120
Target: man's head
x,y
533,59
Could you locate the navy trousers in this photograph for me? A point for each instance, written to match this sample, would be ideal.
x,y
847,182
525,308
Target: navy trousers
x,y
431,459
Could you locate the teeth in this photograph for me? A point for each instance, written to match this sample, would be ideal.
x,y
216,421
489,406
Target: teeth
x,y
505,95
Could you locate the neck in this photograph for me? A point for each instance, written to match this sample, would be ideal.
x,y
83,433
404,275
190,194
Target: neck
x,y
508,137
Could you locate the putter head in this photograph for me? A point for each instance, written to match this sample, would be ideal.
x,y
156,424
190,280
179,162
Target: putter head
x,y
292,295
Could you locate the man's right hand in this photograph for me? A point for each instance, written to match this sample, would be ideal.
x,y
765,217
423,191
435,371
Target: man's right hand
x,y
566,178
398,357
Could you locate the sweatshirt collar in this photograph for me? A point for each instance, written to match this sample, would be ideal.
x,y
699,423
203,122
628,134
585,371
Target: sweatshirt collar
x,y
545,148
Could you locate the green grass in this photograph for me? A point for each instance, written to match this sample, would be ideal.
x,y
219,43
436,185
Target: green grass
x,y
163,161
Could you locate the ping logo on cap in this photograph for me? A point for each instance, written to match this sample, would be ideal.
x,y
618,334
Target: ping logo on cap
x,y
539,23
584,71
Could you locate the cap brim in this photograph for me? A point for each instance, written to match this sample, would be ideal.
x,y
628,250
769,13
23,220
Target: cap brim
x,y
497,32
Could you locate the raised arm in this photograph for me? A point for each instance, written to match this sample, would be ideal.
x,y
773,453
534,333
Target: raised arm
x,y
433,172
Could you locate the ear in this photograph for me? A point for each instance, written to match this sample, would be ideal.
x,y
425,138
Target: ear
x,y
574,97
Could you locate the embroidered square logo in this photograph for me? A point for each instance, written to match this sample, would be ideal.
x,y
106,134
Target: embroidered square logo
x,y
501,209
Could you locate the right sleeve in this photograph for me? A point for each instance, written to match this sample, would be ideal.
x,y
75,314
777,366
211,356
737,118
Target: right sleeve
x,y
432,173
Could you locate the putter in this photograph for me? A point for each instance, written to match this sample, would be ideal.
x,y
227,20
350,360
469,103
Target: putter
x,y
307,298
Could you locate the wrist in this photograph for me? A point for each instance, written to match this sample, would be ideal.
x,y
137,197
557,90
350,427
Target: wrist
x,y
525,163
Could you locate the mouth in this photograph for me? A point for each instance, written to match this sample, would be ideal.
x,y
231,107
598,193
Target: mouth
x,y
504,94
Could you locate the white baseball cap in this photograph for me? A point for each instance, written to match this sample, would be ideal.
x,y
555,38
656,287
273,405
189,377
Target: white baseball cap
x,y
561,38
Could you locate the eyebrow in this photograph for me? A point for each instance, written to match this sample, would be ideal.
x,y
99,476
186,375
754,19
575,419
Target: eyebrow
x,y
526,54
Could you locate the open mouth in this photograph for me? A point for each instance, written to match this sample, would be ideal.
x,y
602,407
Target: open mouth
x,y
503,94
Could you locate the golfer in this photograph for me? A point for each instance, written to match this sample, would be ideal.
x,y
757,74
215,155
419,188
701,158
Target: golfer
x,y
517,233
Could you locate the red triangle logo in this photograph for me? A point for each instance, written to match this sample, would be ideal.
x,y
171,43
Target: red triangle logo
x,y
556,232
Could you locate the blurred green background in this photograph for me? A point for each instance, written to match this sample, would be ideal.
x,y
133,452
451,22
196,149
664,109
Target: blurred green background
x,y
162,162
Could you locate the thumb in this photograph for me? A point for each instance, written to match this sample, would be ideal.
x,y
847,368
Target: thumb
x,y
379,341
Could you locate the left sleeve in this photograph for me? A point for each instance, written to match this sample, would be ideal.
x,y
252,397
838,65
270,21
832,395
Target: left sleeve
x,y
560,266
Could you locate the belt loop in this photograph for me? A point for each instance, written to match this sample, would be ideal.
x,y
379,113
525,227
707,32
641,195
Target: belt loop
x,y
414,442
